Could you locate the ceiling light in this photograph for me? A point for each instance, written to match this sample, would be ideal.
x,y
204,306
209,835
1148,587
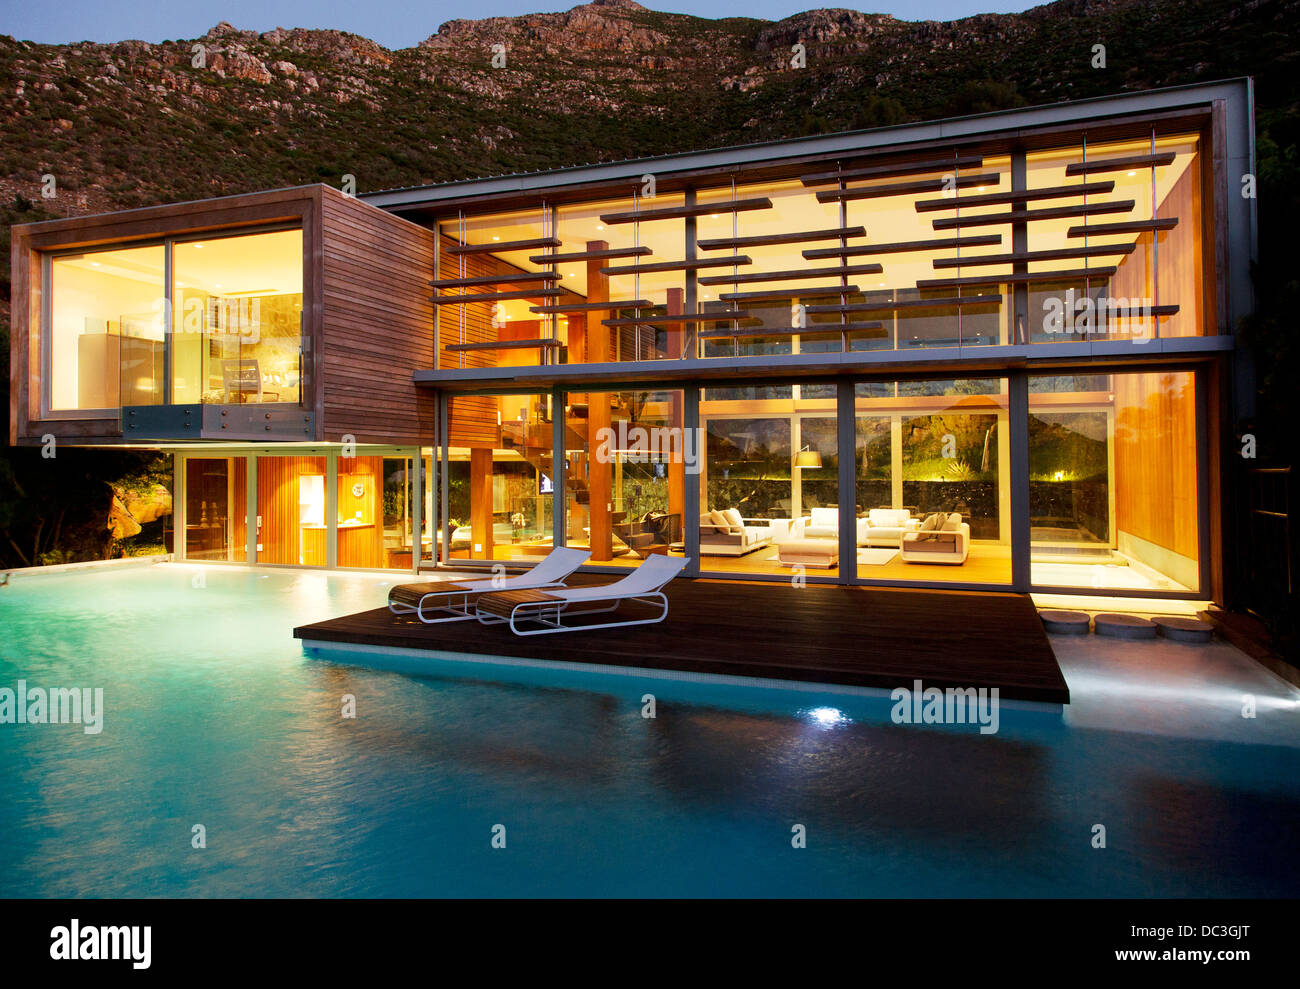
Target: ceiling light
x,y
94,264
198,247
495,237
599,227
1132,173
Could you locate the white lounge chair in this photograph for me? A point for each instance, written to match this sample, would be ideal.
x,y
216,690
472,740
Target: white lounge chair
x,y
453,602
549,608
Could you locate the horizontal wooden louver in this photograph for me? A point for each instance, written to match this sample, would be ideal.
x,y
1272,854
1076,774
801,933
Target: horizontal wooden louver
x,y
681,212
502,245
1031,215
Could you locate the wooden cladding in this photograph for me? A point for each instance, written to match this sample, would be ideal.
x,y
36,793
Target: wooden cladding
x,y
377,324
681,212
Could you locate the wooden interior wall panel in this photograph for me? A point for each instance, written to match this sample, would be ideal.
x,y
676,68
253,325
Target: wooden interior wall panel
x,y
361,545
1181,269
1155,459
377,323
281,532
238,508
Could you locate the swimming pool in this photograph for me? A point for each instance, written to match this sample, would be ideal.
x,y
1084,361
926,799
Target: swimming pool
x,y
214,716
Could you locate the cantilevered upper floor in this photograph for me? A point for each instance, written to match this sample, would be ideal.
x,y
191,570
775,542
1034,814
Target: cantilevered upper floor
x,y
290,315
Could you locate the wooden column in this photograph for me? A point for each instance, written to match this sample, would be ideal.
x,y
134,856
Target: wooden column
x,y
676,467
599,482
480,503
675,331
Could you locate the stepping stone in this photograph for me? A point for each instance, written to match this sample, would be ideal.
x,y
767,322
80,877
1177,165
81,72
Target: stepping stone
x,y
1065,622
1125,626
1184,629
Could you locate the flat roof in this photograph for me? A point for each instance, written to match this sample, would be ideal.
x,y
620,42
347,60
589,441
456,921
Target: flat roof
x,y
896,137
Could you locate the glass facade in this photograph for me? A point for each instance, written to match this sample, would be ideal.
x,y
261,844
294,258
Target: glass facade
x,y
1077,242
625,474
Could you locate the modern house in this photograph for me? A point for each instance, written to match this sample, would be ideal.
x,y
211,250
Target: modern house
x,y
993,352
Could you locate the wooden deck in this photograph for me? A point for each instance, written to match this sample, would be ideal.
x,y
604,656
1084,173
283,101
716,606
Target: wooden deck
x,y
851,636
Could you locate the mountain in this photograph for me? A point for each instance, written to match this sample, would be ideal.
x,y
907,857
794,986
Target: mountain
x,y
131,123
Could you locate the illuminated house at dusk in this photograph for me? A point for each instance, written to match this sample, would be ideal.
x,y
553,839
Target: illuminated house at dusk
x,y
778,356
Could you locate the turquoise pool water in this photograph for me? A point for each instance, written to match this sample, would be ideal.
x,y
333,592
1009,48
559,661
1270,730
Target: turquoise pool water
x,y
214,716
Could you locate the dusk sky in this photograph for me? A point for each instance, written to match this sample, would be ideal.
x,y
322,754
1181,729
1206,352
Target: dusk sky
x,y
392,23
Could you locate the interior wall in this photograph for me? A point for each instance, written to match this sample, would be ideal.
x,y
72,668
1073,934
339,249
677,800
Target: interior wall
x,y
1155,472
280,534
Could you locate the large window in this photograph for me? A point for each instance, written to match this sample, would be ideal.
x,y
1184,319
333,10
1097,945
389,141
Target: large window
x,y
237,319
106,328
500,479
769,480
1113,481
625,474
234,336
933,498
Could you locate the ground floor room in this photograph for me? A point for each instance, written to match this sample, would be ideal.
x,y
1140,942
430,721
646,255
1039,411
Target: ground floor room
x,y
1099,476
931,473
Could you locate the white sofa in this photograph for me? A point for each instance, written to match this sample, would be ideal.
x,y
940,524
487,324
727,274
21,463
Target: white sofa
x,y
725,533
824,523
949,543
887,526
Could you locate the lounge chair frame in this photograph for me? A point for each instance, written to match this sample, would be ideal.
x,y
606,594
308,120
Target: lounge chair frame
x,y
456,602
644,585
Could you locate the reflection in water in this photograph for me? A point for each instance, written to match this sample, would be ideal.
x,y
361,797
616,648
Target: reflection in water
x,y
213,716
